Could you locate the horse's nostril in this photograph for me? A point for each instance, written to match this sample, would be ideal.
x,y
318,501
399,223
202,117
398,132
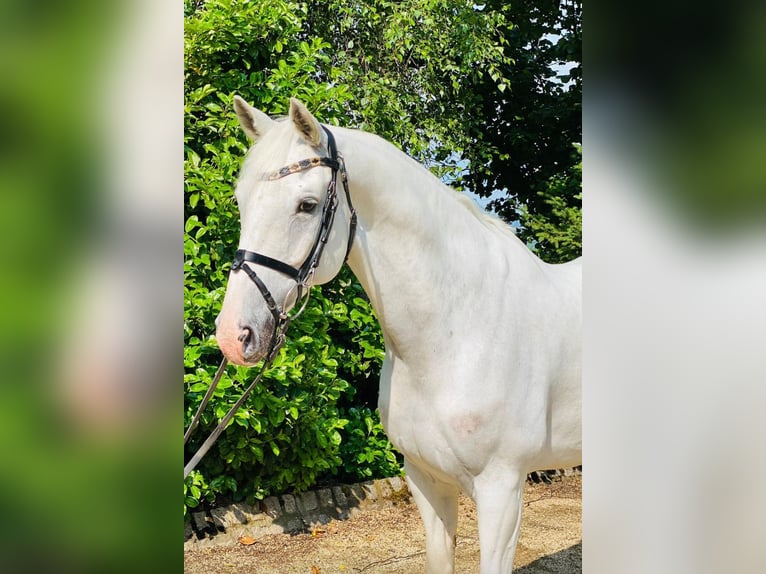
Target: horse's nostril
x,y
249,341
246,336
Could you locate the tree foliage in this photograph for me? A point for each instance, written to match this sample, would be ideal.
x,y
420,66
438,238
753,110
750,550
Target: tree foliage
x,y
525,140
557,233
442,80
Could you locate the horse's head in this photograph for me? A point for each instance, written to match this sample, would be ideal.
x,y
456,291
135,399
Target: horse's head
x,y
285,194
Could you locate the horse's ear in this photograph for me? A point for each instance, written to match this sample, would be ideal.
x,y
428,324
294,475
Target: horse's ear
x,y
306,124
254,122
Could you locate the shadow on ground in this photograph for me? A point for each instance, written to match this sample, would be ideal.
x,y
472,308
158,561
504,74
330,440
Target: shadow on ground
x,y
567,561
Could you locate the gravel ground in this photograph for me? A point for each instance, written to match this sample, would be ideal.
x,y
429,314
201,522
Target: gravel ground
x,y
391,540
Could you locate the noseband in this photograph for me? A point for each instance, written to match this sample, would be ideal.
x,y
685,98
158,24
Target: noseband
x,y
303,276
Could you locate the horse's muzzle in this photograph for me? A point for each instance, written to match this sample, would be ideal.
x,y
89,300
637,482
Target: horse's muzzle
x,y
241,345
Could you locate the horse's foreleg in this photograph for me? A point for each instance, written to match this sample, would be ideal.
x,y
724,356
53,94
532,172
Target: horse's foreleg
x,y
498,497
438,504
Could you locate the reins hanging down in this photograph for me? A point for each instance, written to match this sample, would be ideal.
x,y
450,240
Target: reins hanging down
x,y
302,276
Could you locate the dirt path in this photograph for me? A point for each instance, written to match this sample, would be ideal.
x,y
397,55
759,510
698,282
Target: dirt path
x,y
391,540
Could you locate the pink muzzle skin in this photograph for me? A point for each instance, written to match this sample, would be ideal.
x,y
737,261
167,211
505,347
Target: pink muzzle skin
x,y
230,345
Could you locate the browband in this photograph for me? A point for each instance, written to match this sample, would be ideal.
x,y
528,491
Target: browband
x,y
302,165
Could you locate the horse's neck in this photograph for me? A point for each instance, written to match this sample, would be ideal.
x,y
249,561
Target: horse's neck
x,y
418,250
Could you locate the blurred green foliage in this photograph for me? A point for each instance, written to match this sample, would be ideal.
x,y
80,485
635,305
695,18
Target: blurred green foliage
x,y
74,498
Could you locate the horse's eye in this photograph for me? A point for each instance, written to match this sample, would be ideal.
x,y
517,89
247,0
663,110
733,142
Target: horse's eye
x,y
307,206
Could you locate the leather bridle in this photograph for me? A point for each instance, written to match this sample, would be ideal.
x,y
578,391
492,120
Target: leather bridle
x,y
303,277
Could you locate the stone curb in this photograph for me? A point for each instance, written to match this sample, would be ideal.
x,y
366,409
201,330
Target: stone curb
x,y
290,513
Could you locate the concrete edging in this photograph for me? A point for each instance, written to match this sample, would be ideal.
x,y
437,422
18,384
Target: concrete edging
x,y
289,513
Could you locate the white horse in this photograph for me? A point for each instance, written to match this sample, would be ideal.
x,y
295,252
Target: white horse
x,y
481,378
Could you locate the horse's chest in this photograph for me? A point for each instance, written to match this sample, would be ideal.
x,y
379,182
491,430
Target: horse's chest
x,y
454,426
454,447
444,435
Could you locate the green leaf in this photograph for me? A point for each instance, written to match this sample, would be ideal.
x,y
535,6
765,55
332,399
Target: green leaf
x,y
191,223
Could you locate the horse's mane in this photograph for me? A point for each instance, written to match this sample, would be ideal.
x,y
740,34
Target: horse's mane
x,y
487,219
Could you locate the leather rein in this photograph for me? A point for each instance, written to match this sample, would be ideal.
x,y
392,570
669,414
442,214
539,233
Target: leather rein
x,y
303,277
